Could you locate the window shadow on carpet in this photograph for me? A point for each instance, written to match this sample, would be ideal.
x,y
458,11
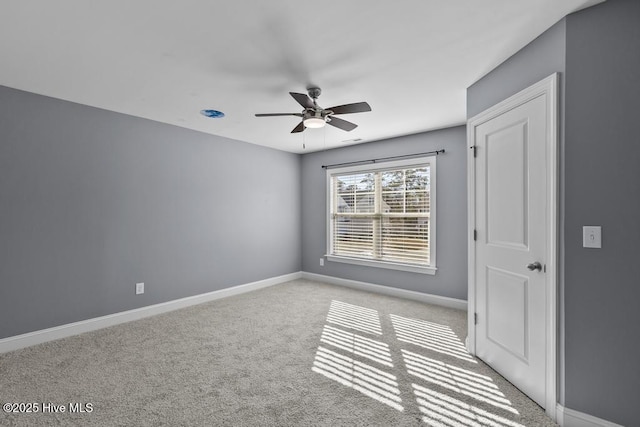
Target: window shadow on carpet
x,y
432,361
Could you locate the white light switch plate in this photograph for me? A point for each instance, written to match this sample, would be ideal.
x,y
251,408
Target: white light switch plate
x,y
139,288
591,236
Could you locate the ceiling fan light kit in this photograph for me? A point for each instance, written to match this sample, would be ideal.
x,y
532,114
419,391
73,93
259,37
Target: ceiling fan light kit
x,y
313,116
314,122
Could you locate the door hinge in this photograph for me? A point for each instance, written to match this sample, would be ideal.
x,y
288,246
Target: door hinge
x,y
475,235
475,150
475,318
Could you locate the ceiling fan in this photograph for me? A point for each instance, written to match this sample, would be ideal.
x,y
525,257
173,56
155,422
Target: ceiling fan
x,y
314,116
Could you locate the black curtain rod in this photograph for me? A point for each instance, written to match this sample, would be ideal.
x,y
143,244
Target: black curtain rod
x,y
364,162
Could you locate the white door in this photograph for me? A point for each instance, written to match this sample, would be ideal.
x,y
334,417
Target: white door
x,y
512,247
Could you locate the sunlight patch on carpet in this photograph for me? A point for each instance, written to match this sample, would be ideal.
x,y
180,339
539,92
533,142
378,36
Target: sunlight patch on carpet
x,y
478,387
361,346
443,410
429,335
354,317
342,354
364,378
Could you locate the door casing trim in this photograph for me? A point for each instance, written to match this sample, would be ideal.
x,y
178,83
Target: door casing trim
x,y
547,87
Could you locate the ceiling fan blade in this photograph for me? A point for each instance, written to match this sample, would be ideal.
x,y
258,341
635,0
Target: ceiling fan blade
x,y
303,100
298,128
358,107
342,124
279,114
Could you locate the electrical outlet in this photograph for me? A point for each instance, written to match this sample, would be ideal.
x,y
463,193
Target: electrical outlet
x,y
591,236
321,262
139,288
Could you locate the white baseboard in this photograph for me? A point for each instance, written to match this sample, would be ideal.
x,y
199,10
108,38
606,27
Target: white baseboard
x,y
569,418
63,331
386,290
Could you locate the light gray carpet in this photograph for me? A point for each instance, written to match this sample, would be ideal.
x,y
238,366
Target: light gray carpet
x,y
273,357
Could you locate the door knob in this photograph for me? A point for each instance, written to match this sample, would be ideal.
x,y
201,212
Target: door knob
x,y
535,266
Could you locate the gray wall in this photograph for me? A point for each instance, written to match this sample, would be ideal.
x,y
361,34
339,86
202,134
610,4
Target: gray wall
x,y
596,50
602,171
92,202
539,59
451,278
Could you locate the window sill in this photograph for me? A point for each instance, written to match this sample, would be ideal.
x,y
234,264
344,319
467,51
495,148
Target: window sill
x,y
383,264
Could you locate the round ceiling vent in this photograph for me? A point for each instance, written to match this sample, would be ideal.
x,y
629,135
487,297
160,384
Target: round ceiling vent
x,y
214,114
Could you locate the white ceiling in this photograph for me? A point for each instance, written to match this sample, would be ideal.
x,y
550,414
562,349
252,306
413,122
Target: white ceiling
x,y
411,60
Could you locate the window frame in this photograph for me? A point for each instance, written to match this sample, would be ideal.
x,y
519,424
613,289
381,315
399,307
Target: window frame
x,y
429,161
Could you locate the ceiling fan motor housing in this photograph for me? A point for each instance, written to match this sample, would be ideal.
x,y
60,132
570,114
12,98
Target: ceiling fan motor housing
x,y
314,92
319,114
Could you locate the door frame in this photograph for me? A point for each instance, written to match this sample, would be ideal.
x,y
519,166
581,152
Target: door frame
x,y
547,87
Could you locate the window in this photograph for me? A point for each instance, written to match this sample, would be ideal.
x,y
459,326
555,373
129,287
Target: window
x,y
383,215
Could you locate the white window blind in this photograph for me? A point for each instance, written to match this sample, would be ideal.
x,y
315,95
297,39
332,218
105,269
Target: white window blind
x,y
384,215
